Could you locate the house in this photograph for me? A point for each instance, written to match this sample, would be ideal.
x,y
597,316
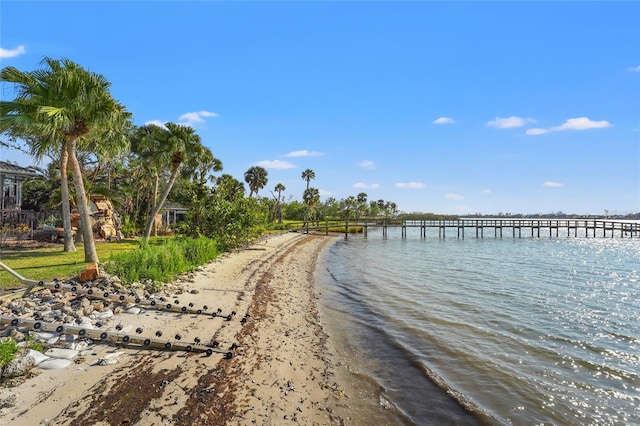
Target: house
x,y
11,178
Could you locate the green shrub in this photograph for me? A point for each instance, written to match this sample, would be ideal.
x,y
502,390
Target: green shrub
x,y
129,229
162,260
8,349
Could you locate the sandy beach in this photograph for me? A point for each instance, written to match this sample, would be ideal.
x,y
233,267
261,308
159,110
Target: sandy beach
x,y
282,370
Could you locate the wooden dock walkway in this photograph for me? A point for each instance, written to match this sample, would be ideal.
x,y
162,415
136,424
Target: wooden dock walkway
x,y
478,228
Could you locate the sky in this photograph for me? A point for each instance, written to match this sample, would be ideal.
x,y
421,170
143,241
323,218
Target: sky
x,y
443,107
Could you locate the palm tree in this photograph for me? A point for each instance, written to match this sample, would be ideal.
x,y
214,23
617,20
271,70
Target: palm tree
x,y
279,189
229,188
177,144
64,106
146,165
310,198
350,204
308,175
256,177
361,204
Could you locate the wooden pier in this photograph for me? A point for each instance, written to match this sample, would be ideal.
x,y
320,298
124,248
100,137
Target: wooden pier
x,y
497,228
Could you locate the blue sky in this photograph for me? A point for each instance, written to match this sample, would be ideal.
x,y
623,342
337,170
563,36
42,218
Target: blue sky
x,y
446,107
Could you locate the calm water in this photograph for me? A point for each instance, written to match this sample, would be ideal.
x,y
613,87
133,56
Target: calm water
x,y
511,331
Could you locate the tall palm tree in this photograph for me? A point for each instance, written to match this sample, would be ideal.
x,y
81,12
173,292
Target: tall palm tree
x,y
176,145
361,204
64,106
311,197
279,189
256,177
146,163
308,175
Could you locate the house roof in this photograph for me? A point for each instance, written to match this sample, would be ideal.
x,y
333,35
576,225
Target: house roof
x,y
11,169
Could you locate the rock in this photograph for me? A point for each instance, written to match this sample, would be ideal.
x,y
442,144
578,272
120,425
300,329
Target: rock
x,y
53,340
133,310
37,356
78,346
106,314
194,291
55,364
106,361
17,308
52,316
45,295
59,353
68,311
97,306
44,336
18,367
89,274
84,321
17,335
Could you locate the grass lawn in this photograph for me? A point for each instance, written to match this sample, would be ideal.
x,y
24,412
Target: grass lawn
x,y
47,263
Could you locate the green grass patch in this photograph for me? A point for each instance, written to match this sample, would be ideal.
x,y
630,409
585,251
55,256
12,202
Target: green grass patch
x,y
47,263
162,262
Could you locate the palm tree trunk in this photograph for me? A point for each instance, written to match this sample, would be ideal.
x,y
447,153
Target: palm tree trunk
x,y
160,203
90,253
69,246
154,202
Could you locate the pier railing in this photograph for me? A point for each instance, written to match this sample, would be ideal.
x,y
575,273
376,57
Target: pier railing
x,y
516,228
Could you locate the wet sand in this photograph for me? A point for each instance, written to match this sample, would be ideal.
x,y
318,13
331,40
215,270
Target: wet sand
x,y
283,369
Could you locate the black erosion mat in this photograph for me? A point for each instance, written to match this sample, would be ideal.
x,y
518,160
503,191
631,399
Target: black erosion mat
x,y
119,337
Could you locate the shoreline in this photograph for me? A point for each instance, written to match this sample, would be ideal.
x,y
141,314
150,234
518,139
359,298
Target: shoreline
x,y
283,369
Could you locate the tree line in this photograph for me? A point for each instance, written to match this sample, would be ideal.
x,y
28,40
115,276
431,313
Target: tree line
x,y
67,114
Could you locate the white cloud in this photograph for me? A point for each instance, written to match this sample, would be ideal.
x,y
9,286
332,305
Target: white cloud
x,y
444,120
580,123
549,184
275,164
410,185
509,122
155,123
304,153
12,53
361,185
191,118
452,196
323,192
486,191
634,69
367,164
536,131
